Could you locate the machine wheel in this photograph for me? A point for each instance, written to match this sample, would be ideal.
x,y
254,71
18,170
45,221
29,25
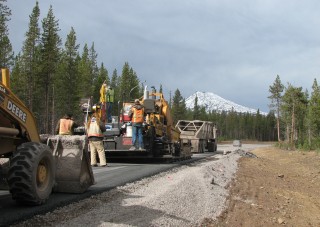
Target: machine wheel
x,y
32,173
176,150
212,146
150,139
203,145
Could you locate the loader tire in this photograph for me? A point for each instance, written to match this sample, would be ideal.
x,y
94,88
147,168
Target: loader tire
x,y
32,173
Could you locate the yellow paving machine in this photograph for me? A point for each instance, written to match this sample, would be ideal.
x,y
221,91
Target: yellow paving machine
x,y
161,138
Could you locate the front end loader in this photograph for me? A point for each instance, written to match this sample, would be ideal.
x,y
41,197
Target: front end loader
x,y
32,167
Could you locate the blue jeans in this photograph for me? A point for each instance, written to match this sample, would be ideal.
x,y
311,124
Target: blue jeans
x,y
109,110
137,134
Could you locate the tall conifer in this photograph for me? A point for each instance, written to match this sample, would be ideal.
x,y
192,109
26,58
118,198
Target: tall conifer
x,y
67,81
50,54
30,58
276,93
7,55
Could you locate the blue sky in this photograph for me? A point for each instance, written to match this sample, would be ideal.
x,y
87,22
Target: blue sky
x,y
233,48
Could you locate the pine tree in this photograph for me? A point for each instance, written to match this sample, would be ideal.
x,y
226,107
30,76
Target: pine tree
x,y
276,93
86,87
50,55
94,71
179,108
67,83
129,83
203,115
30,57
312,122
88,70
315,107
294,103
270,132
115,83
258,128
115,79
134,80
7,55
196,109
18,82
125,86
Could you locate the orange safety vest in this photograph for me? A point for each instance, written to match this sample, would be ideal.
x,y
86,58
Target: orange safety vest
x,y
94,128
137,115
65,127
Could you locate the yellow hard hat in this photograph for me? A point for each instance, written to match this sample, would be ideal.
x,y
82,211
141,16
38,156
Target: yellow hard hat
x,y
95,108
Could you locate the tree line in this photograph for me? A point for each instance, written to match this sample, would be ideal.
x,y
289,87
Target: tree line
x,y
230,124
51,77
297,115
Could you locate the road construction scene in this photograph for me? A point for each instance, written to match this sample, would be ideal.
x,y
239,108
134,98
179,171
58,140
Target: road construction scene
x,y
162,113
33,165
42,173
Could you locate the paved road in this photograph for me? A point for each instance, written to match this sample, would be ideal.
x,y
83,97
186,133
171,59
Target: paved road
x,y
106,178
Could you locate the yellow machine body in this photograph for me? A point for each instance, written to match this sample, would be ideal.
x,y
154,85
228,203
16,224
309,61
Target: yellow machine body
x,y
32,166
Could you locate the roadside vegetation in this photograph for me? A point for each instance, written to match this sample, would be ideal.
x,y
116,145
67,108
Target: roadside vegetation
x,y
297,111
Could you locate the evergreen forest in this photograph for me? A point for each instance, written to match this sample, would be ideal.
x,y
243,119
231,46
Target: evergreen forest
x,y
51,74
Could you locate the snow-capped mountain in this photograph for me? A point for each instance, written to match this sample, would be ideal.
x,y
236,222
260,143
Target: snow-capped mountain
x,y
212,102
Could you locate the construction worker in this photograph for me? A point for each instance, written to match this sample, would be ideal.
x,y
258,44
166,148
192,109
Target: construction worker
x,y
110,100
95,128
103,91
137,118
65,125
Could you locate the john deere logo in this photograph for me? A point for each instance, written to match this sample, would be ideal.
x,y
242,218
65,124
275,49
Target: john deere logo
x,y
17,111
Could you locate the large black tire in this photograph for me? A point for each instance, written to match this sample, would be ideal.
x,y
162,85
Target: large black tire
x,y
176,149
212,146
149,142
32,173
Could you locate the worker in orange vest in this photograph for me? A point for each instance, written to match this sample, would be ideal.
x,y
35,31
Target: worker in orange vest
x,y
137,118
65,125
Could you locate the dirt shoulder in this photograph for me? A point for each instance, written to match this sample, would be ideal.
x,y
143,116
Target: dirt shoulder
x,y
277,188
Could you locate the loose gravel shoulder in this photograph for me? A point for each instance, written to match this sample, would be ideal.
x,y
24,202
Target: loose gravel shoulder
x,y
184,196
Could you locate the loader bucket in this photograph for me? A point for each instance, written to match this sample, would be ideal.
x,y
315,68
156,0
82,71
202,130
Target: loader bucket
x,y
73,170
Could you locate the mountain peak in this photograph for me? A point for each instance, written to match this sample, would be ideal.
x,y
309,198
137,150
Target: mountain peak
x,y
213,102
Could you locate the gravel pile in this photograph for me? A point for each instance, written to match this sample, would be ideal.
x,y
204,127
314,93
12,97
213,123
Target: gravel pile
x,y
184,196
247,154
